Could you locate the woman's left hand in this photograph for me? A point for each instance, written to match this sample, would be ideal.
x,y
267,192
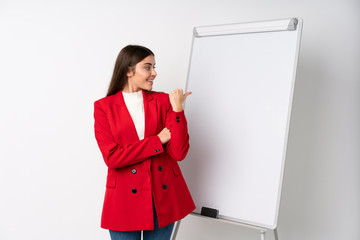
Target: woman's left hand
x,y
177,98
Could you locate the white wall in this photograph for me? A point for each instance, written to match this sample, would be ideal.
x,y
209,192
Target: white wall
x,y
56,58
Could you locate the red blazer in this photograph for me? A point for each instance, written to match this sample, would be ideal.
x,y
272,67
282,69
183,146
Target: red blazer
x,y
142,170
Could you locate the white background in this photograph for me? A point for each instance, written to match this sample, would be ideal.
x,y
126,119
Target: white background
x,y
56,58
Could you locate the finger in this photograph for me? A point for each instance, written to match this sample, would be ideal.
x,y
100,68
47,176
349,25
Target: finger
x,y
173,93
187,94
176,90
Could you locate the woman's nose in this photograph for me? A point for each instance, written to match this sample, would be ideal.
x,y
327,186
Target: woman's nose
x,y
153,72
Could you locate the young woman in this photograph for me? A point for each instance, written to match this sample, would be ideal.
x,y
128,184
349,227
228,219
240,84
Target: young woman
x,y
141,135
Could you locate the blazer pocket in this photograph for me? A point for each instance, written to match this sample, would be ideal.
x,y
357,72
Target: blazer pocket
x,y
111,181
176,170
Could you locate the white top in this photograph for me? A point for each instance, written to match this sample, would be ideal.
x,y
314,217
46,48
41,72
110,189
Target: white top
x,y
135,105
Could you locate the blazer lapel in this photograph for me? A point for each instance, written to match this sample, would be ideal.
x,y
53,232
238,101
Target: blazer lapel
x,y
150,109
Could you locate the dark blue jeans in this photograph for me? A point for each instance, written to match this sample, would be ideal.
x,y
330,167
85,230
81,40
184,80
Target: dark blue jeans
x,y
163,233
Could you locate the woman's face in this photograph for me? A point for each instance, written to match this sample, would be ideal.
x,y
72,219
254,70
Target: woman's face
x,y
142,77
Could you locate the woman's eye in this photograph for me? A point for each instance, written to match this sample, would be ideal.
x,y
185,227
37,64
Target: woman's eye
x,y
148,68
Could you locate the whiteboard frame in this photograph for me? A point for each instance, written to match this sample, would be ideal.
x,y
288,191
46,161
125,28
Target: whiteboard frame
x,y
248,27
290,24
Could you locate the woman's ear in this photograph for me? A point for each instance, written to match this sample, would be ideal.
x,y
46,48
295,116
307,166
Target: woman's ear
x,y
130,72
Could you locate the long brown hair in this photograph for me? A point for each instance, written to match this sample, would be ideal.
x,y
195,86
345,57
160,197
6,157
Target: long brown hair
x,y
128,57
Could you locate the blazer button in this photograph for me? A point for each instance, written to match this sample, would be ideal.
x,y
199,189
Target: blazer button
x,y
177,117
164,186
160,168
177,120
134,190
133,171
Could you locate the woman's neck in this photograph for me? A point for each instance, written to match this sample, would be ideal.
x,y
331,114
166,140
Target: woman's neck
x,y
131,89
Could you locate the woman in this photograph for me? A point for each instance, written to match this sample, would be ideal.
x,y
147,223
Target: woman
x,y
142,134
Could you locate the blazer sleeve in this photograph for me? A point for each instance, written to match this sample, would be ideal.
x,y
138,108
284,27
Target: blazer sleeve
x,y
178,146
118,156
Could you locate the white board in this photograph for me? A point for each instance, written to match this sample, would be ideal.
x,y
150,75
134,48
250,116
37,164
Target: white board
x,y
238,117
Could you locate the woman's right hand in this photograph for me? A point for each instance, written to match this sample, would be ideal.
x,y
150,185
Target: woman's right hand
x,y
164,135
